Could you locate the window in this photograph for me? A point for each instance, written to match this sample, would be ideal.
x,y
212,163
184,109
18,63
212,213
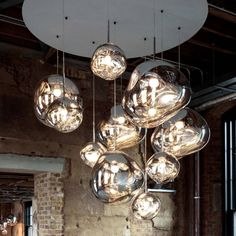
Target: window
x,y
230,172
28,219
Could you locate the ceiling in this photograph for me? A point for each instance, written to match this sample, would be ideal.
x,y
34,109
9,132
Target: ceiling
x,y
16,187
209,57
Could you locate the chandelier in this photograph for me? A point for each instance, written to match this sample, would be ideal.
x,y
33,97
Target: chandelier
x,y
11,220
156,97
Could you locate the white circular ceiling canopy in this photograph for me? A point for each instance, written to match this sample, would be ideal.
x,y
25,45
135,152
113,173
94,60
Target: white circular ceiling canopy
x,y
131,23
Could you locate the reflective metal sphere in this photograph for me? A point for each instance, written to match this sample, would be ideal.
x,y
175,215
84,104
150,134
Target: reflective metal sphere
x,y
116,177
108,61
145,206
65,115
3,225
91,152
162,167
51,89
155,93
118,131
11,220
185,133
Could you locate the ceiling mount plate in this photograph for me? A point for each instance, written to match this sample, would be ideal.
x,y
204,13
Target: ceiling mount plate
x,y
131,23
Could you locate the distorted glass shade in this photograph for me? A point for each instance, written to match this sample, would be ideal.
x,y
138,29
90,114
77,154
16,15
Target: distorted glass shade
x,y
108,61
91,152
116,177
162,167
49,90
65,115
3,225
145,206
185,133
156,92
118,131
11,220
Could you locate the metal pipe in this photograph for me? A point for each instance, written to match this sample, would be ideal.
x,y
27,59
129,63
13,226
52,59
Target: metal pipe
x,y
197,195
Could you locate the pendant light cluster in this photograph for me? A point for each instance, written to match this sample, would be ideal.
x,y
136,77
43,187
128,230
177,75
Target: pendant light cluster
x,y
156,97
11,220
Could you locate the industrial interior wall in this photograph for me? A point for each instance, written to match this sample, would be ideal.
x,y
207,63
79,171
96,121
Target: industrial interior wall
x,y
212,173
82,213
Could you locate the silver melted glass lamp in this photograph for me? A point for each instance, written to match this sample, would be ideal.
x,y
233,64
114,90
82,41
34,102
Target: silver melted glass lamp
x,y
108,61
91,152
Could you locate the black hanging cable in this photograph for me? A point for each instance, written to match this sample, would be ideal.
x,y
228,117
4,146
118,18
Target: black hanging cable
x,y
145,162
115,111
94,118
63,46
57,62
154,29
162,33
108,30
179,50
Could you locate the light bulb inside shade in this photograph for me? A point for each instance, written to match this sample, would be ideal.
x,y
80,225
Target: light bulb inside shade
x,y
91,152
4,232
50,89
155,93
185,133
162,167
116,177
117,132
108,62
65,115
145,206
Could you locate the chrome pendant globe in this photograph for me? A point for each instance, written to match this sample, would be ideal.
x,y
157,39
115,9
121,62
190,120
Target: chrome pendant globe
x,y
162,167
185,133
50,89
117,132
116,177
65,115
145,206
108,62
11,220
3,226
91,152
156,92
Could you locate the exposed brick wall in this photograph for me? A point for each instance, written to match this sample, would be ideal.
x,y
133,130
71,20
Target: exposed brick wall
x,y
212,167
49,195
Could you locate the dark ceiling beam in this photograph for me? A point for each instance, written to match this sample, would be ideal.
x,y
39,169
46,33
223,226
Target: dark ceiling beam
x,y
222,13
211,46
9,3
50,52
228,35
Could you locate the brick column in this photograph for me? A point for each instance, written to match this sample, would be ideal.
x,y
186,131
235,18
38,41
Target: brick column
x,y
48,215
